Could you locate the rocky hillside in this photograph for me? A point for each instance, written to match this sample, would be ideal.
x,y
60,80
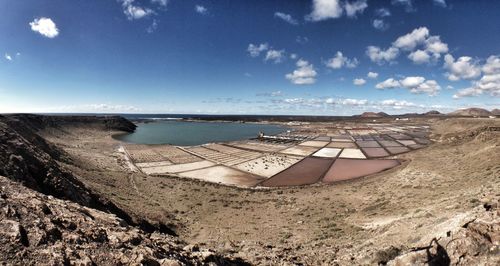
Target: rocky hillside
x,y
471,112
36,229
31,160
475,242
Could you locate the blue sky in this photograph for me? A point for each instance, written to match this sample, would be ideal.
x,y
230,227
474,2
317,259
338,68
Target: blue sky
x,y
319,57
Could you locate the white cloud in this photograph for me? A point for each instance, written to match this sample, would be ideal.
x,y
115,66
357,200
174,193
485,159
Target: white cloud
x,y
330,9
429,47
340,61
304,74
382,12
463,68
388,84
8,57
276,56
372,75
467,92
397,104
325,9
293,56
380,24
489,82
419,57
352,8
416,85
286,17
353,102
134,11
45,26
359,82
201,9
409,41
435,46
441,3
380,56
255,50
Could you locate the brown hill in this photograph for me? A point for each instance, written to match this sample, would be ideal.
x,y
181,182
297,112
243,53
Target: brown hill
x,y
471,112
433,112
373,115
495,112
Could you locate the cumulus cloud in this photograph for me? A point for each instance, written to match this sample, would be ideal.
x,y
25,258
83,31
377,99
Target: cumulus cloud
x,y
380,24
340,61
429,47
133,11
353,8
419,57
416,85
435,46
372,75
489,82
304,74
380,56
255,49
359,82
45,26
409,41
286,17
276,56
463,68
325,9
201,9
388,84
8,57
293,56
330,9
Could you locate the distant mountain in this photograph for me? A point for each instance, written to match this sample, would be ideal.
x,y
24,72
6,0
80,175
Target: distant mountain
x,y
495,112
433,112
471,112
372,115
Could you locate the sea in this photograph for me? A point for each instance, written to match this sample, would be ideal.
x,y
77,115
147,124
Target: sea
x,y
171,129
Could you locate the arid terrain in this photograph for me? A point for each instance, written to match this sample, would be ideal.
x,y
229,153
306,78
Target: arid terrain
x,y
448,191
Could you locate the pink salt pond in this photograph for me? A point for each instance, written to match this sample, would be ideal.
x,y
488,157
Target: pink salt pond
x,y
308,171
375,152
344,169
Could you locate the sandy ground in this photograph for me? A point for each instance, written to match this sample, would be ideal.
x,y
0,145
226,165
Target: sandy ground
x,y
343,223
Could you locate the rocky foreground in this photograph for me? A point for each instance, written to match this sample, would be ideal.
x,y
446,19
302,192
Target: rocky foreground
x,y
36,229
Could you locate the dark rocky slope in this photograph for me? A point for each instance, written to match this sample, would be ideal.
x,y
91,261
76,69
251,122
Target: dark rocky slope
x,y
36,229
31,160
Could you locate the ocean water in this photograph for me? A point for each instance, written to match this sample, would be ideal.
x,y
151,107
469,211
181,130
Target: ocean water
x,y
195,133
